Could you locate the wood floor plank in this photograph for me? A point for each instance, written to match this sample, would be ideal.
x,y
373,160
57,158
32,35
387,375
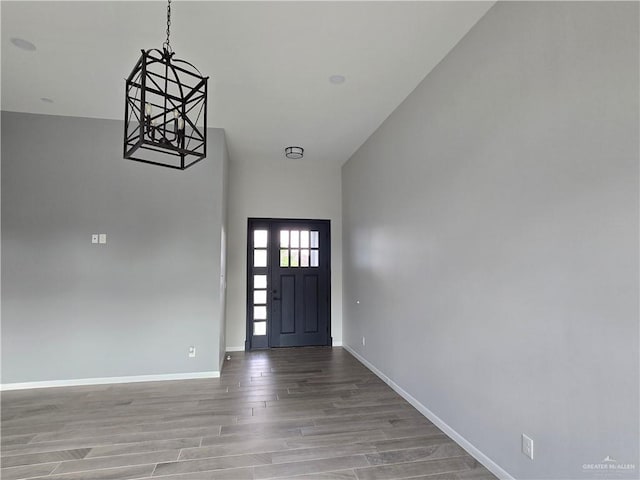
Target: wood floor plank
x,y
319,453
473,474
226,439
99,463
207,464
128,437
27,471
336,439
268,415
46,457
243,473
337,475
234,448
20,429
413,469
411,431
437,438
117,442
16,439
346,427
326,420
446,450
142,447
277,427
309,466
300,413
121,473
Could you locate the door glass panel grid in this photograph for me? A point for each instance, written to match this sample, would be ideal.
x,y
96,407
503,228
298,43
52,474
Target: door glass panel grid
x,y
299,248
259,298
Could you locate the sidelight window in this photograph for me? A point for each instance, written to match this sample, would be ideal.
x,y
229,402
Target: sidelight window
x,y
260,262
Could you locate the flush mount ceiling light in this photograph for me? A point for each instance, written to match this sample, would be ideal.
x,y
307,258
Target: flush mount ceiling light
x,y
337,79
165,109
294,153
23,44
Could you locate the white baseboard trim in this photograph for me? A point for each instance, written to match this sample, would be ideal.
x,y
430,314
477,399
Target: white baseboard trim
x,y
108,380
492,466
223,357
235,349
337,344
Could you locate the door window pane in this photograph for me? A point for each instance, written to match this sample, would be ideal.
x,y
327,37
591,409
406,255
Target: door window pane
x,y
259,239
259,258
259,328
284,238
259,297
304,239
314,239
284,258
259,281
314,258
295,238
304,258
294,258
259,313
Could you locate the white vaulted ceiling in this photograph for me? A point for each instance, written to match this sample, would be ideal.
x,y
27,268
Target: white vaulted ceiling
x,y
269,63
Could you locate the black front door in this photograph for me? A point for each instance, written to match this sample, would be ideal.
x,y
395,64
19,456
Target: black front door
x,y
288,283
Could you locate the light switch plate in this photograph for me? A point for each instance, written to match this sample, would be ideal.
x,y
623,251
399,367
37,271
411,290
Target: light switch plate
x,y
103,238
94,238
527,446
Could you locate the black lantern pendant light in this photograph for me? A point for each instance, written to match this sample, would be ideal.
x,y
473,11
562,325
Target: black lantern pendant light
x,y
165,120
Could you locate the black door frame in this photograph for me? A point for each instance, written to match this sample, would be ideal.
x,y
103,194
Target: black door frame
x,y
258,223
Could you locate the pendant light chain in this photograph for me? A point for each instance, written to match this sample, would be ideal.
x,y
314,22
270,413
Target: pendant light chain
x,y
166,43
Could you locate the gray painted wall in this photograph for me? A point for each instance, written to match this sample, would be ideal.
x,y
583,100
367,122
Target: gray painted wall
x,y
73,310
284,189
491,237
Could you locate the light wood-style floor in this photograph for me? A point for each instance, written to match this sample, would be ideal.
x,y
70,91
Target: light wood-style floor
x,y
312,413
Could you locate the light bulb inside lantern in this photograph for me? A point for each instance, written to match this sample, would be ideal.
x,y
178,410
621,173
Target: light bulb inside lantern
x,y
180,123
147,108
153,128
